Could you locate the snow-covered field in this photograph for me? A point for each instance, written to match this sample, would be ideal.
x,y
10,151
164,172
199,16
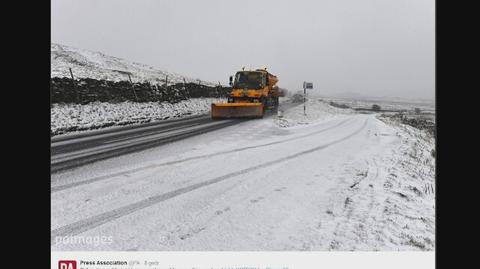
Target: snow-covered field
x,y
334,180
96,65
427,106
75,117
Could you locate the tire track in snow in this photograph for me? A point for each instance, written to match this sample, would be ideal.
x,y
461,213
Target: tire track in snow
x,y
357,209
123,173
95,221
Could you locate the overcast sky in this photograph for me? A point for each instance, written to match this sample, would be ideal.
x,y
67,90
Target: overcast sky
x,y
371,47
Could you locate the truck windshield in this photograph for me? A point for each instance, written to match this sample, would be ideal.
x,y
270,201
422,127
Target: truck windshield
x,y
251,80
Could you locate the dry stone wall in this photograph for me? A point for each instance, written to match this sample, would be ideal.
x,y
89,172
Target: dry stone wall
x,y
87,90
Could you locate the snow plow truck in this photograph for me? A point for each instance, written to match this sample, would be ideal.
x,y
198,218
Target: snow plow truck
x,y
253,92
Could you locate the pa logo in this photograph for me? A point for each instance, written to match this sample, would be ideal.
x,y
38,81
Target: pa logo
x,y
67,264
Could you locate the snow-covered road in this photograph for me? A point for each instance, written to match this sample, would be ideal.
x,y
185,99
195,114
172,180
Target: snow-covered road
x,y
331,181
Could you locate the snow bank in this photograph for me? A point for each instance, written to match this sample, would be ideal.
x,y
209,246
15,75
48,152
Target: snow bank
x,y
317,111
409,196
74,117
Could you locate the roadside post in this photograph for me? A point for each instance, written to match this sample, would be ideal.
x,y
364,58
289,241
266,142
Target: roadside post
x,y
306,85
74,86
133,88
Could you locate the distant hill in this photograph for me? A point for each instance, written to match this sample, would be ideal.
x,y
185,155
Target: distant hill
x,y
92,64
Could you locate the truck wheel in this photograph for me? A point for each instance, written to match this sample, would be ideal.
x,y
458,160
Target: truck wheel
x,y
265,103
275,104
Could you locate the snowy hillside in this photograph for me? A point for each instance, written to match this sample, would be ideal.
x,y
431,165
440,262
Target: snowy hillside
x,y
91,64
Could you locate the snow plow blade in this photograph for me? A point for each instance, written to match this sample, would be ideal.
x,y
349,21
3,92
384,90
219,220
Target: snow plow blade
x,y
237,110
